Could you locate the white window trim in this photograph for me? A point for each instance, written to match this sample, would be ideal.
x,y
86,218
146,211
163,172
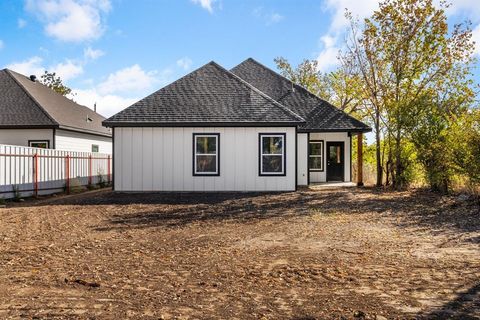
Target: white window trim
x,y
47,142
282,154
321,142
216,154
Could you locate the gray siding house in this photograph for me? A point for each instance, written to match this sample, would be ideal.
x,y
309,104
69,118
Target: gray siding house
x,y
33,115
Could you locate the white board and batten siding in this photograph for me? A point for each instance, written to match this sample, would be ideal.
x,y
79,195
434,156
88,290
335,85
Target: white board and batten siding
x,y
81,142
161,159
302,159
334,137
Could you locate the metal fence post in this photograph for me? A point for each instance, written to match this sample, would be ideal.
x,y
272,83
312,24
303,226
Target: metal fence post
x,y
35,174
90,170
67,174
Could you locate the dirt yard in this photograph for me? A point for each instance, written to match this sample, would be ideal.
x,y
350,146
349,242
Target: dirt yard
x,y
313,254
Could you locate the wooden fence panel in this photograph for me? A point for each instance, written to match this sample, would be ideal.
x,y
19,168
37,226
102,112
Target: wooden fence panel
x,y
26,171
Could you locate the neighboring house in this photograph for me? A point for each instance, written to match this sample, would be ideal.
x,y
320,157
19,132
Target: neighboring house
x,y
31,114
248,129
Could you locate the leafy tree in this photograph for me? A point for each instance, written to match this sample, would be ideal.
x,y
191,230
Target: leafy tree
x,y
402,54
55,83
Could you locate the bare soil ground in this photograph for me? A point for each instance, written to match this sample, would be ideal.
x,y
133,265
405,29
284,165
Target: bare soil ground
x,y
313,254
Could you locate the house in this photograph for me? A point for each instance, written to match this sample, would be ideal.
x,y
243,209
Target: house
x,y
33,115
247,129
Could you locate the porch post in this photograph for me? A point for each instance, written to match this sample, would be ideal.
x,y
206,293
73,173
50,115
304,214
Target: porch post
x,y
360,160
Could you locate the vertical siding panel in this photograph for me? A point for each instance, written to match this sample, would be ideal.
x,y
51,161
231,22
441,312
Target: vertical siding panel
x,y
228,158
127,151
188,159
137,158
158,162
220,180
241,149
250,161
118,158
147,159
178,158
168,150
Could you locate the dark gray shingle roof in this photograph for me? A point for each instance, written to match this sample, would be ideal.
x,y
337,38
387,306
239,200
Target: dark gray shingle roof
x,y
206,96
319,114
25,103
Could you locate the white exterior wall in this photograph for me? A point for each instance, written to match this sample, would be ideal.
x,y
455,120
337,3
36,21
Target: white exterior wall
x,y
302,159
82,142
161,159
20,137
332,136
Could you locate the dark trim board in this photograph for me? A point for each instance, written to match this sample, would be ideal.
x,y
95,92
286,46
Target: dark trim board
x,y
13,127
296,159
54,142
202,124
284,173
334,130
217,174
308,171
113,159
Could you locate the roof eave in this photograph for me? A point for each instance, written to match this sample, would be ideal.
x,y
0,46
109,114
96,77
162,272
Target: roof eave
x,y
353,130
112,124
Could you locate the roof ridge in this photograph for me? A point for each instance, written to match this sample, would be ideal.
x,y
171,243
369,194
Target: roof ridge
x,y
263,94
9,72
299,86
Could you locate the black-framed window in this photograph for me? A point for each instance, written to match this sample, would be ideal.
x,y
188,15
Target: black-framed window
x,y
272,156
95,148
315,155
206,154
44,144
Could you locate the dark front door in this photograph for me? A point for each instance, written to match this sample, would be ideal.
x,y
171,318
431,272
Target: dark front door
x,y
335,161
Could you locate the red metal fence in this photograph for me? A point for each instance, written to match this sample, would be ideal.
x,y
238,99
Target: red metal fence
x,y
28,171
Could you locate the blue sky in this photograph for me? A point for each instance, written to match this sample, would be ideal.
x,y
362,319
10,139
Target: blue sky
x,y
114,52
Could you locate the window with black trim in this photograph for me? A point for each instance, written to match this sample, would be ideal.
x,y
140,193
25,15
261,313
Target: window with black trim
x,y
44,144
95,148
206,153
272,154
315,156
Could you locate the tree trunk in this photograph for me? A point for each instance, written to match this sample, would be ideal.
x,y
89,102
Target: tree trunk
x,y
398,182
378,150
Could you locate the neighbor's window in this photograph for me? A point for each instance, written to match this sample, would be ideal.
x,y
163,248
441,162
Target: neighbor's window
x,y
39,144
95,148
272,154
206,153
315,157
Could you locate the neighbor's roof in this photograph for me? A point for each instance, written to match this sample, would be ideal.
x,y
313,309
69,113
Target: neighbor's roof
x,y
319,114
28,104
209,95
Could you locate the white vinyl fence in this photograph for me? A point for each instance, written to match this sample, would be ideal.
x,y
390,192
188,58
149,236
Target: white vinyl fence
x,y
28,171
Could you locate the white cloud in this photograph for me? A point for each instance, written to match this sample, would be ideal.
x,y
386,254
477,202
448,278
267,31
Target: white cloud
x,y
268,17
121,89
129,79
470,8
205,4
107,105
476,38
67,70
92,54
28,67
185,63
327,58
359,9
21,23
71,20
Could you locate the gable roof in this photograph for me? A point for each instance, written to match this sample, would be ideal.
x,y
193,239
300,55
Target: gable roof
x,y
319,114
209,95
29,104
